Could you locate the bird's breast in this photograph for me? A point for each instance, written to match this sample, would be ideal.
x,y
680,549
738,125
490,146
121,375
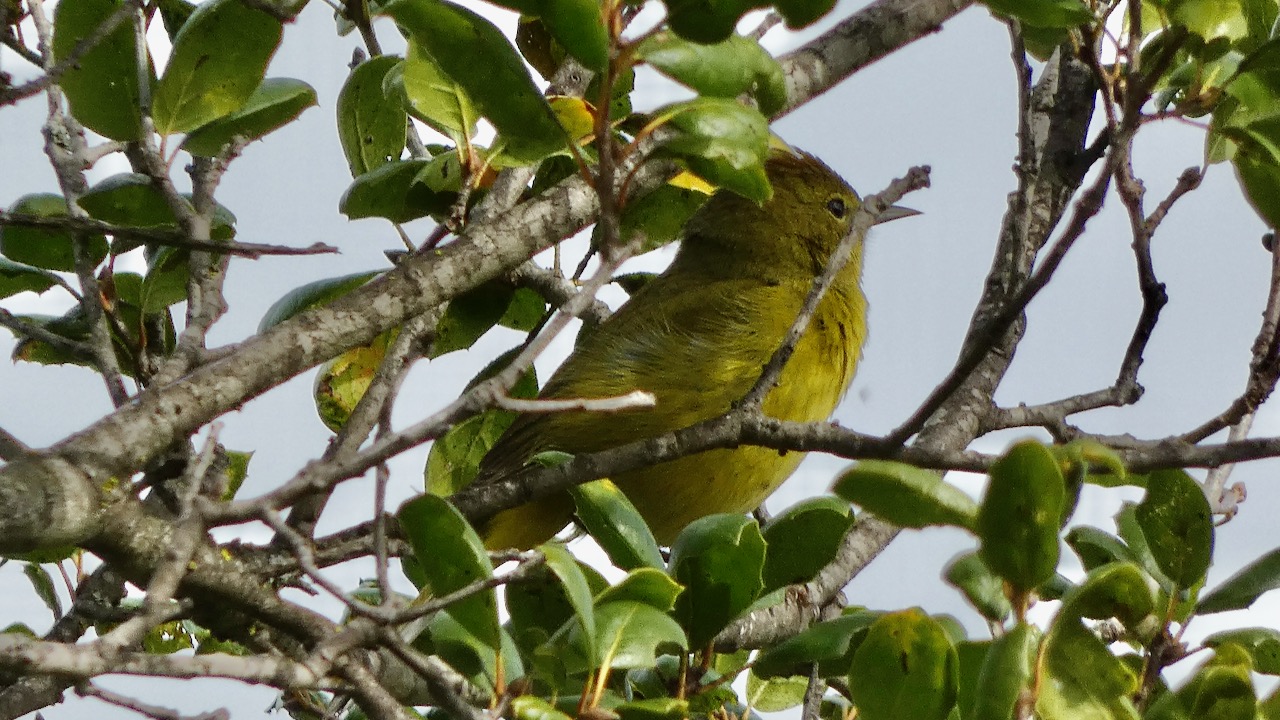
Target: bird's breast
x,y
818,374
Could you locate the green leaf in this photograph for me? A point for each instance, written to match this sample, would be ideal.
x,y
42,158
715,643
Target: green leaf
x,y
830,644
1096,547
1259,175
1006,672
443,176
432,97
46,249
631,634
528,707
576,588
237,472
802,540
722,142
1020,515
452,557
131,200
579,28
17,277
469,654
525,312
905,668
984,590
128,199
526,387
71,326
1044,13
19,629
343,380
1210,19
616,525
1081,678
1131,532
1176,520
46,556
659,216
1260,15
906,496
475,55
802,13
971,656
166,281
370,127
219,57
631,283
775,694
1244,587
540,607
1269,709
42,581
624,83
1222,688
538,47
102,86
1120,590
726,69
274,104
659,708
835,707
168,638
1262,644
1041,42
1055,587
175,14
719,559
648,585
313,294
155,331
706,21
392,191
470,315
454,458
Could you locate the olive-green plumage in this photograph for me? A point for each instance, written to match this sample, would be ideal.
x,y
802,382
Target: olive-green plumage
x,y
697,337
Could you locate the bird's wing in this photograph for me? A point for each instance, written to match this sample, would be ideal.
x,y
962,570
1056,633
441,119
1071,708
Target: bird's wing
x,y
696,347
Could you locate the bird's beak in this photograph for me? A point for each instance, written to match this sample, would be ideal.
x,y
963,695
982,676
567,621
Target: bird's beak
x,y
895,212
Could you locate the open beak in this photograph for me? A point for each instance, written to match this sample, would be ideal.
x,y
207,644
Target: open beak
x,y
895,212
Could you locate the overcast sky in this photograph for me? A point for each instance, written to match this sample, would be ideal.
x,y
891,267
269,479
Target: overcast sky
x,y
947,101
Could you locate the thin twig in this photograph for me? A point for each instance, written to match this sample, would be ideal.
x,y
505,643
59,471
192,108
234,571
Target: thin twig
x,y
997,325
153,711
11,95
65,146
321,476
11,448
25,328
557,290
1264,368
870,210
302,550
630,401
1222,500
373,406
813,693
165,237
452,692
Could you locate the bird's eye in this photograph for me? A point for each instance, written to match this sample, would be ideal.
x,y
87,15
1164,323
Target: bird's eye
x,y
837,207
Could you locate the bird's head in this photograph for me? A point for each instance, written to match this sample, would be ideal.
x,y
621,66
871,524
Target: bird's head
x,y
790,235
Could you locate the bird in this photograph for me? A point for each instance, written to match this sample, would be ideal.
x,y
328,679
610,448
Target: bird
x,y
697,337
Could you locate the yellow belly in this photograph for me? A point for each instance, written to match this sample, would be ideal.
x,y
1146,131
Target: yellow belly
x,y
671,495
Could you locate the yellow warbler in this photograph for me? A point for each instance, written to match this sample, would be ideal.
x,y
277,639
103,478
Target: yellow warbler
x,y
697,337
